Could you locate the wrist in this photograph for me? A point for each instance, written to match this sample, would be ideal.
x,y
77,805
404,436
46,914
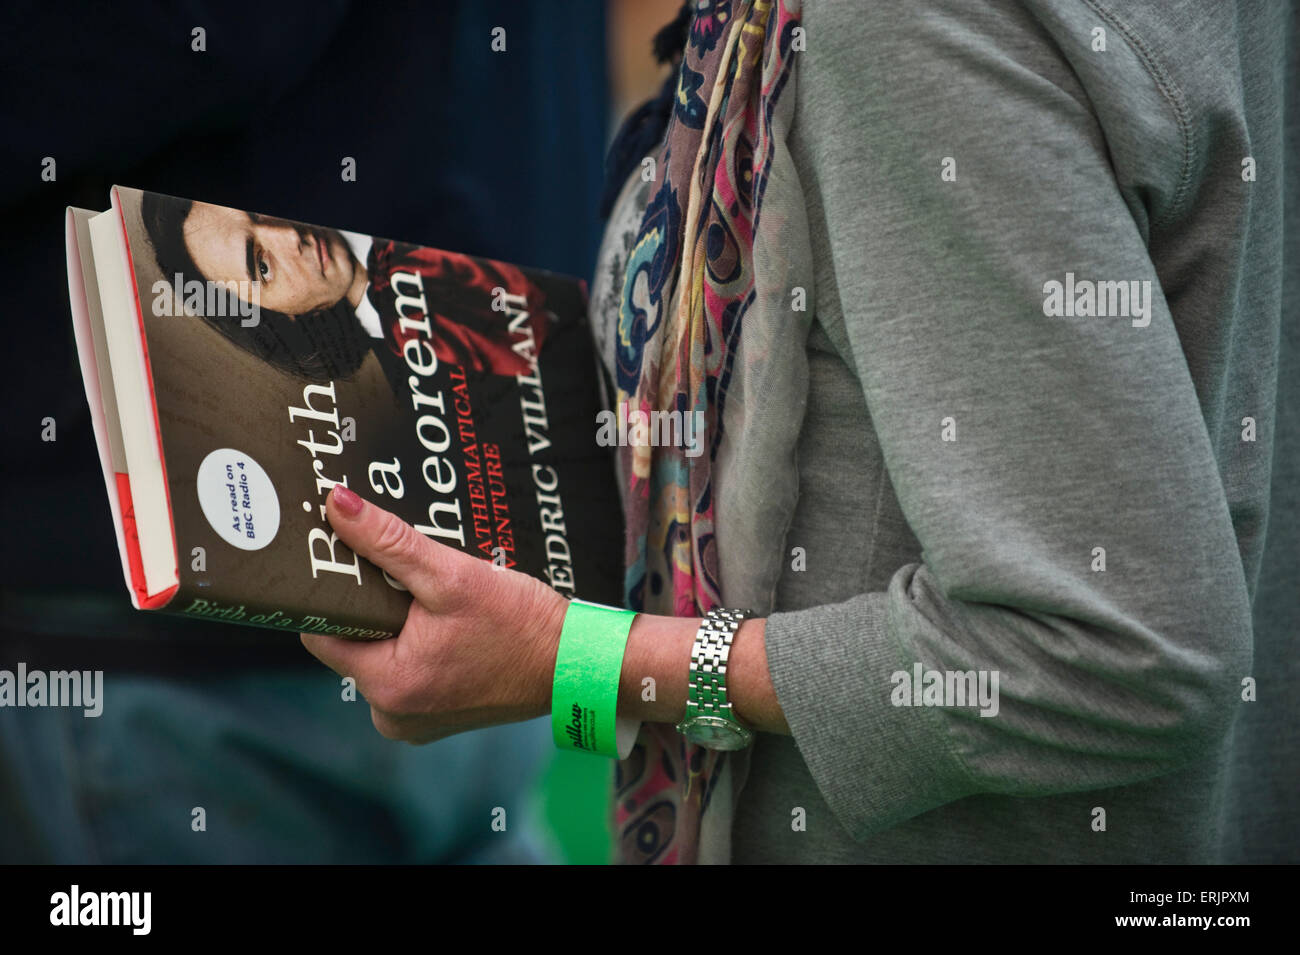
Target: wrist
x,y
658,649
547,625
747,670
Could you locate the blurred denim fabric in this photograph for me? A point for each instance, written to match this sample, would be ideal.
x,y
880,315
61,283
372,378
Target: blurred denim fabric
x,y
284,769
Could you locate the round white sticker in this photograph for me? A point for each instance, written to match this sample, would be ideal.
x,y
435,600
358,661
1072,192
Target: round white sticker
x,y
238,499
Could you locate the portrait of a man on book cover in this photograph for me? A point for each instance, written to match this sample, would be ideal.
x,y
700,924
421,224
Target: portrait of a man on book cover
x,y
325,297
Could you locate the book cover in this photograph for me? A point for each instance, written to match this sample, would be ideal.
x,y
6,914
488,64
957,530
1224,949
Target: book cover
x,y
283,358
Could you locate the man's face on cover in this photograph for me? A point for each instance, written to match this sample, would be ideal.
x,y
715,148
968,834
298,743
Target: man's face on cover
x,y
300,269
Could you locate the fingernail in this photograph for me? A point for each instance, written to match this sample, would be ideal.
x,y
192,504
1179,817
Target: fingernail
x,y
347,502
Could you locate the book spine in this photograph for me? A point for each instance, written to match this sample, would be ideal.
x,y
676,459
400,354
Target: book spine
x,y
285,619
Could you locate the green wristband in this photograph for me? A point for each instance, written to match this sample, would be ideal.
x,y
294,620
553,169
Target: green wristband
x,y
588,664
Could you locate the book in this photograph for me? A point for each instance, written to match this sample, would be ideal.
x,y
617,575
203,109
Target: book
x,y
237,366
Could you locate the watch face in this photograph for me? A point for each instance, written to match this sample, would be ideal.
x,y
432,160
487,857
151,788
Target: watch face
x,y
714,732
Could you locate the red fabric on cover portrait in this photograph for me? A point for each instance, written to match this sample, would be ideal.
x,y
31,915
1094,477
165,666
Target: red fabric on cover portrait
x,y
458,291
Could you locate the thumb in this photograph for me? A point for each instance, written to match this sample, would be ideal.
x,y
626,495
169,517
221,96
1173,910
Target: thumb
x,y
428,570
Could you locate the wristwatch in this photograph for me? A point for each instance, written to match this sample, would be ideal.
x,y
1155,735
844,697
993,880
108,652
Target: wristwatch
x,y
710,720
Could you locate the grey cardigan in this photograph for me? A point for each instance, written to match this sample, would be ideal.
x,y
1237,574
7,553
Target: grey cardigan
x,y
1098,509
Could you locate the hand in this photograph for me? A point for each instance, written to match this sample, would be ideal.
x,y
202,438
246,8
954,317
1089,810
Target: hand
x,y
478,646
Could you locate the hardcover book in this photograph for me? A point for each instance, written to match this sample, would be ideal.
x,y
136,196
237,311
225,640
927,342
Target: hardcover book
x,y
238,366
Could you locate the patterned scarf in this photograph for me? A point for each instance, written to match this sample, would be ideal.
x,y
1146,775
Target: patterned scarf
x,y
689,284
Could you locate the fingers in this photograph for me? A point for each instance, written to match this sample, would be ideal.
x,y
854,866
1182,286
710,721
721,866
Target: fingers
x,y
370,665
427,570
364,662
